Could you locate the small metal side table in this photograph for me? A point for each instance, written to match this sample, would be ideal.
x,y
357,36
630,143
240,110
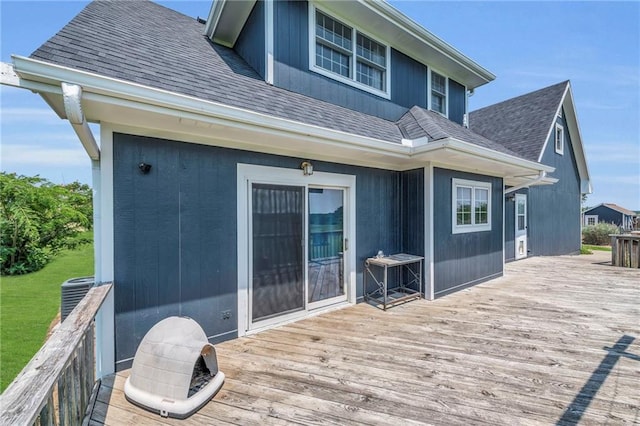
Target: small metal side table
x,y
402,293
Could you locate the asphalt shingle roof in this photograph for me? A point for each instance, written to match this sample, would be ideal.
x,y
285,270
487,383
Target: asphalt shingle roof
x,y
419,122
520,124
145,43
619,209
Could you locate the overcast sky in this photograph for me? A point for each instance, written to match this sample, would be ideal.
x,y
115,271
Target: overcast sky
x,y
527,45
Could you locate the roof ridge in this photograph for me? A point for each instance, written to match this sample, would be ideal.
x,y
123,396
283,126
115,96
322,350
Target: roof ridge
x,y
523,123
417,111
620,209
524,95
436,127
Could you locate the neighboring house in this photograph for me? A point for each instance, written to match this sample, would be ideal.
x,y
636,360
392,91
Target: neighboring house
x,y
610,213
248,166
541,126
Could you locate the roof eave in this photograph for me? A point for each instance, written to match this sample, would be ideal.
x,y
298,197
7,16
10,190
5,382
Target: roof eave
x,y
514,170
571,120
226,20
45,77
480,75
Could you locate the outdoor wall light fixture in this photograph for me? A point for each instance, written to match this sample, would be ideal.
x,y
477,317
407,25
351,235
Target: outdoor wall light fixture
x,y
307,168
510,197
144,168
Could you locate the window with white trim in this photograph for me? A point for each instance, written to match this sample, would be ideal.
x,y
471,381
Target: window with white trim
x,y
591,219
344,53
438,93
559,139
471,206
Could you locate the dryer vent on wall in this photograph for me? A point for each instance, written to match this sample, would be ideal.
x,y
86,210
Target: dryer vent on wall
x,y
72,292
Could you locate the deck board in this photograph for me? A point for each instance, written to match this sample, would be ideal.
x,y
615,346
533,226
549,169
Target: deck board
x,y
537,346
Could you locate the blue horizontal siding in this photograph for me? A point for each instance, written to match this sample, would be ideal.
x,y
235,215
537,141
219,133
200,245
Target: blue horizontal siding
x,y
457,102
606,214
554,210
461,260
175,239
408,77
251,41
408,81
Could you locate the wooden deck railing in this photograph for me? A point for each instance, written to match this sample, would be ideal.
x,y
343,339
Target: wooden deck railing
x,y
65,364
625,250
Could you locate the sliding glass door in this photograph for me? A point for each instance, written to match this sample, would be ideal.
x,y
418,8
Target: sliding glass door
x,y
325,265
277,222
290,227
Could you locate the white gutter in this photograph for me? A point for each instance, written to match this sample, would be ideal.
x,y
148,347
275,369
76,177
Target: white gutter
x,y
72,97
97,86
533,181
409,25
114,88
423,147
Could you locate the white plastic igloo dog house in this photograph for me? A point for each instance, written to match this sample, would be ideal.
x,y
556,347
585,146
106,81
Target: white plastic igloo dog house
x,y
175,370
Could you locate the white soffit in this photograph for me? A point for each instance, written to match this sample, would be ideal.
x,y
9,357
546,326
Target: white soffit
x,y
163,114
226,20
377,18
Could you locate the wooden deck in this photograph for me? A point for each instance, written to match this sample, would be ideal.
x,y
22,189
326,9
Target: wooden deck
x,y
555,341
325,279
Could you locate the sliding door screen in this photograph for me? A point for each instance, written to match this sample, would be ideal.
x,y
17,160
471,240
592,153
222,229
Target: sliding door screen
x,y
278,257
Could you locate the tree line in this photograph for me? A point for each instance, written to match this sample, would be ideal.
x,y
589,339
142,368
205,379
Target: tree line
x,y
38,218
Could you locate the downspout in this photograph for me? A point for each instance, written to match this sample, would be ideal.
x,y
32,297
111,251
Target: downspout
x,y
72,97
533,181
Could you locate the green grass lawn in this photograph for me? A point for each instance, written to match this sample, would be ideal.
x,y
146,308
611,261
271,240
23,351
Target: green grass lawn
x,y
28,304
598,248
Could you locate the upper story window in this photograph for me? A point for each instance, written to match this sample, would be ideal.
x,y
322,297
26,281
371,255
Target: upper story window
x,y
344,53
559,139
471,206
438,93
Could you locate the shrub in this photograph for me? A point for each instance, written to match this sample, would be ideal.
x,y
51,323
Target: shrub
x,y
38,218
598,234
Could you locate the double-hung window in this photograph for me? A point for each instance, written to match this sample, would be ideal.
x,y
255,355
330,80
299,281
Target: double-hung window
x,y
349,56
559,139
471,206
438,93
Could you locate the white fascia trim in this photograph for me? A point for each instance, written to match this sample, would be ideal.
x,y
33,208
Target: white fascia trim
x,y
533,181
152,98
269,42
110,87
72,104
478,151
422,34
8,77
552,127
571,121
214,17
